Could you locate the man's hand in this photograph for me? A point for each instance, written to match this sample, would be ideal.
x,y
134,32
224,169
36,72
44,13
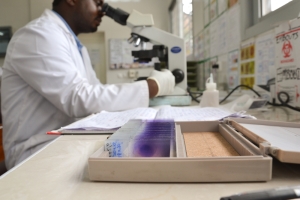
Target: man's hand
x,y
164,80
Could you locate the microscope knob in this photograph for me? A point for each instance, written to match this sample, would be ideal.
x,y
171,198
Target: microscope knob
x,y
179,75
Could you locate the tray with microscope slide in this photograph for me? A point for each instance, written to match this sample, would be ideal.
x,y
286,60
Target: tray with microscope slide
x,y
233,150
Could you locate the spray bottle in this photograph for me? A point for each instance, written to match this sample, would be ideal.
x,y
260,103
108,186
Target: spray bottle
x,y
210,97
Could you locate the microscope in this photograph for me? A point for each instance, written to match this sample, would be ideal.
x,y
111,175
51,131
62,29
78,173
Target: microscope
x,y
167,48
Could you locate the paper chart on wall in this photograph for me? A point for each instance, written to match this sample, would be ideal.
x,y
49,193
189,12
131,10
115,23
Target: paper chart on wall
x,y
94,56
222,6
222,41
214,38
115,51
265,58
206,3
248,68
206,16
233,28
231,3
207,43
233,69
199,46
287,48
213,10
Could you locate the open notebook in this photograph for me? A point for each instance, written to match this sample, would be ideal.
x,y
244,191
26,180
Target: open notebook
x,y
109,122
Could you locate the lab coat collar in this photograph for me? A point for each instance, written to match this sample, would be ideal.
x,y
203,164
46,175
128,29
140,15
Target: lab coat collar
x,y
79,45
49,13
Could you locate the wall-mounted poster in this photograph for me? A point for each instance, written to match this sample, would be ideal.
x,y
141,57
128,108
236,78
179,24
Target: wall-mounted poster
x,y
222,6
233,28
213,10
265,57
232,3
206,16
287,48
214,38
199,46
223,43
233,69
207,43
247,65
206,3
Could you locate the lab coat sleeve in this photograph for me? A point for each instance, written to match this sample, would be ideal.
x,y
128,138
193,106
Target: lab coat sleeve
x,y
43,58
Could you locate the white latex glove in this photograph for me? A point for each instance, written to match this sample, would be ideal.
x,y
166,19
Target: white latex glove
x,y
165,81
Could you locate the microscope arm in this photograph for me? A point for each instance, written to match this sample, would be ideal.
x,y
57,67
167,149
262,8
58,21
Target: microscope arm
x,y
142,26
176,48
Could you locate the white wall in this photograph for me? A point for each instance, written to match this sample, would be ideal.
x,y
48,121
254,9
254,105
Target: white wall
x,y
37,7
14,13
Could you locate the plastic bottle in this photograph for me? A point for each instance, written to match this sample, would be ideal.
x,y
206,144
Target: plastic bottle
x,y
210,97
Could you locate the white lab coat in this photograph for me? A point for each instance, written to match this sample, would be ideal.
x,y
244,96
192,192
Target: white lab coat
x,y
46,84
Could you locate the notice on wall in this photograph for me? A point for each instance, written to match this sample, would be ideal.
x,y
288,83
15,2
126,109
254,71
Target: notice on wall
x,y
206,3
247,64
231,3
218,36
214,38
207,43
94,56
213,10
233,28
265,57
222,40
233,79
199,46
222,6
206,16
287,47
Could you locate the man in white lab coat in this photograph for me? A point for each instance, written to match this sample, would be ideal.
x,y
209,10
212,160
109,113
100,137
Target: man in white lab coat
x,y
48,80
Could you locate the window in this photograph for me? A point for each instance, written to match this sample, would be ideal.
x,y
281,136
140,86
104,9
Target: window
x,y
188,25
181,22
176,15
268,6
254,17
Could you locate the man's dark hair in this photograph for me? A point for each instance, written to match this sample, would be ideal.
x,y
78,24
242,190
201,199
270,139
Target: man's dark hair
x,y
56,2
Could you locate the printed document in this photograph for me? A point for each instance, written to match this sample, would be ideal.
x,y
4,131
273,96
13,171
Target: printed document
x,y
113,120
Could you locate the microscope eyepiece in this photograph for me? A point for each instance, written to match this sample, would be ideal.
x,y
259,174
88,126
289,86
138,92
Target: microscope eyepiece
x,y
118,15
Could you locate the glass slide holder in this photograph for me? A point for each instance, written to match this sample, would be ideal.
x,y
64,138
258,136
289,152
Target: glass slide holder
x,y
143,138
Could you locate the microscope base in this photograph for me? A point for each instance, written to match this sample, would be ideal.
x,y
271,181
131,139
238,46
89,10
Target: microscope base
x,y
183,100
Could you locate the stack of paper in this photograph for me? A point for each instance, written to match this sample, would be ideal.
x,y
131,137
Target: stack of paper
x,y
109,122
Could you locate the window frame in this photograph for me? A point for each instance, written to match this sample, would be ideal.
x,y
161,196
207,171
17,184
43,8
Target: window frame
x,y
181,26
253,25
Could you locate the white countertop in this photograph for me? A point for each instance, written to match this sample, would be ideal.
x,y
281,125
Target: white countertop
x,y
60,171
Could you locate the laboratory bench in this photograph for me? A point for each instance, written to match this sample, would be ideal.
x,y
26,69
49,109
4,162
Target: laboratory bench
x,y
60,171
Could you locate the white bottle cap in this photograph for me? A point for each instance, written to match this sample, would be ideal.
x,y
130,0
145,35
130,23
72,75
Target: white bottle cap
x,y
210,85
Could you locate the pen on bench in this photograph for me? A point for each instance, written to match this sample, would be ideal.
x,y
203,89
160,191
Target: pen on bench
x,y
280,193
